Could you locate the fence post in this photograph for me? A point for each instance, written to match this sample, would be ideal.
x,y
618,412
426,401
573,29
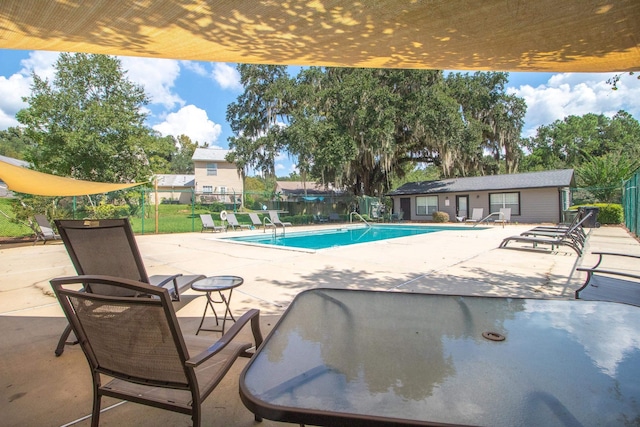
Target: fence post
x,y
193,210
142,203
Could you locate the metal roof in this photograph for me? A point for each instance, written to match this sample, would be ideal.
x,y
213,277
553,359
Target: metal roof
x,y
168,180
553,178
213,154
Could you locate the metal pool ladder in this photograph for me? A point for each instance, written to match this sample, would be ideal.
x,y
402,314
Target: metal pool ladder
x,y
359,216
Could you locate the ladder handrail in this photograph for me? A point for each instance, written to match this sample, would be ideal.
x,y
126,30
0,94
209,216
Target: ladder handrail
x,y
275,226
359,216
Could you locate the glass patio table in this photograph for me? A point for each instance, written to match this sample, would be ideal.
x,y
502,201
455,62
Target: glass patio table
x,y
368,358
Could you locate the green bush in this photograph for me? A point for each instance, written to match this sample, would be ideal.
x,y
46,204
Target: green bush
x,y
107,210
440,217
610,213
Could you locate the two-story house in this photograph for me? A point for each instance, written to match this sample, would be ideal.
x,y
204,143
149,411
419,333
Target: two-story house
x,y
215,178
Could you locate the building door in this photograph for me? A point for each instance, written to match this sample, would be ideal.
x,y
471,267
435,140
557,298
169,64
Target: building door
x,y
462,206
405,207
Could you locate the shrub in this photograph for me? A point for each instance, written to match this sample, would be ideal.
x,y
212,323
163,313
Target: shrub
x,y
108,210
610,213
440,217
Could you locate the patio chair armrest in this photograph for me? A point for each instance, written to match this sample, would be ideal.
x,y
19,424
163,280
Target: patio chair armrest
x,y
175,296
252,315
591,271
602,254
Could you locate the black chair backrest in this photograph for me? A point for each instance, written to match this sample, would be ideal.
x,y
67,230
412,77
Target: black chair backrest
x,y
103,247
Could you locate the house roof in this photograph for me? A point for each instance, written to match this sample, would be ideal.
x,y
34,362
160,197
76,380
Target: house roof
x,y
553,178
297,187
167,180
541,35
212,154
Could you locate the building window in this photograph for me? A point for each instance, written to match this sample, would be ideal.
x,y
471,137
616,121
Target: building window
x,y
505,200
212,169
426,205
223,190
207,189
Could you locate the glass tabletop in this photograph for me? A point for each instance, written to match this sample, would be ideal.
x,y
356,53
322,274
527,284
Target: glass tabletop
x,y
217,283
368,356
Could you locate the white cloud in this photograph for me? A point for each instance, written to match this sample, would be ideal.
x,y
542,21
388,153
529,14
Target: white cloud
x,y
577,94
193,122
157,76
195,67
40,62
226,76
12,90
18,85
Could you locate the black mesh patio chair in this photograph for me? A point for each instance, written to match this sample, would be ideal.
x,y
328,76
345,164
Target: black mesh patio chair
x,y
136,350
108,247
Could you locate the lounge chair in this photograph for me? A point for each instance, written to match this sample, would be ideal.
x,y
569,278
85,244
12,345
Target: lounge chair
x,y
275,219
334,217
138,344
476,215
505,216
611,284
570,237
108,247
45,231
232,222
320,219
209,224
255,220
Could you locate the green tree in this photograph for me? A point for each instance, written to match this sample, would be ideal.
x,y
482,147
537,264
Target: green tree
x,y
603,176
88,122
257,116
576,139
14,143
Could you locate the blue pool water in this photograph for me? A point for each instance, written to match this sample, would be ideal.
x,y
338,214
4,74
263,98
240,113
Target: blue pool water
x,y
322,239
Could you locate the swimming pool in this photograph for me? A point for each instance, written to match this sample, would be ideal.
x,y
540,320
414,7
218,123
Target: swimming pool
x,y
349,235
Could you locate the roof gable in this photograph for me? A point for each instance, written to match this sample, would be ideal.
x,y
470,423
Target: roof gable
x,y
554,178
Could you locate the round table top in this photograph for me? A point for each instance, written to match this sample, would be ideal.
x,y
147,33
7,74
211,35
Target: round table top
x,y
217,283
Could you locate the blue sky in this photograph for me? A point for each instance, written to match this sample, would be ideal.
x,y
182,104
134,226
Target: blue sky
x,y
189,97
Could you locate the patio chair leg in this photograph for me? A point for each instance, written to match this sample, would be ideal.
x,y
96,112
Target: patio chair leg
x,y
63,341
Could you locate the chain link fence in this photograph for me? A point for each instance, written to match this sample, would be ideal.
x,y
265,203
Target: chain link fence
x,y
630,203
177,211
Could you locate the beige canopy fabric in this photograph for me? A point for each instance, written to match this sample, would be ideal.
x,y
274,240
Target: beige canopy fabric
x,y
28,181
501,35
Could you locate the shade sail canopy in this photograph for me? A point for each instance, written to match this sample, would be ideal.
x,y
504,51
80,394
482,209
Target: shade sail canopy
x,y
509,35
23,180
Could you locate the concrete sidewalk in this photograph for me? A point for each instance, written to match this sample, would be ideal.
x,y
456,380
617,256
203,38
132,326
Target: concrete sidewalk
x,y
36,388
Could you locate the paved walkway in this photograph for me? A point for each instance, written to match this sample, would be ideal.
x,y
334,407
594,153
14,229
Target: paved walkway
x,y
36,388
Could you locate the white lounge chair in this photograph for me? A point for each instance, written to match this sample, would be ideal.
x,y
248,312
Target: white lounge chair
x,y
275,219
476,215
255,220
232,222
505,216
46,230
209,224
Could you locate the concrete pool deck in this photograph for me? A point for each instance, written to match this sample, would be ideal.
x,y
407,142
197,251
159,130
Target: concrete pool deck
x,y
39,389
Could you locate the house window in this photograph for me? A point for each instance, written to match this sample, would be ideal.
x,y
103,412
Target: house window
x,y
223,190
426,205
505,200
212,169
207,189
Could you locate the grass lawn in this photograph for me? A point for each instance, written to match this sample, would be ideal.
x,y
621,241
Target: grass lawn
x,y
9,228
171,219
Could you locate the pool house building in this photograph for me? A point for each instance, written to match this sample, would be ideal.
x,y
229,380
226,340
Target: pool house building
x,y
533,197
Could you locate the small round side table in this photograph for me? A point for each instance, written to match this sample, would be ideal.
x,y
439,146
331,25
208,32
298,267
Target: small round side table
x,y
218,284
